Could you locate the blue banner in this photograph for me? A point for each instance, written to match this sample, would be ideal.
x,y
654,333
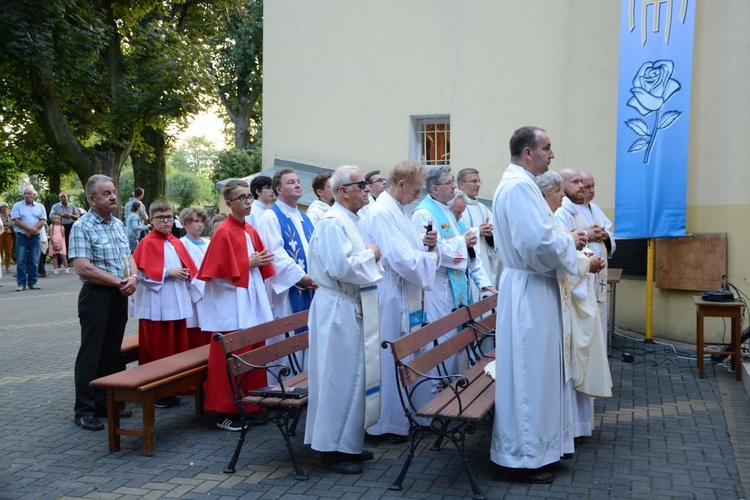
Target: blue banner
x,y
653,117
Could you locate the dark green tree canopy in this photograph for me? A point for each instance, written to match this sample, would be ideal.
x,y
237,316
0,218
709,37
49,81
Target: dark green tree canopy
x,y
90,74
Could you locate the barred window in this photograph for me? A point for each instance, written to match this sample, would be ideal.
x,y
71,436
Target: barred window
x,y
431,139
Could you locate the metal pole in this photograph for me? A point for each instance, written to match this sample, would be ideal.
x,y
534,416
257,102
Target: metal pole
x,y
650,293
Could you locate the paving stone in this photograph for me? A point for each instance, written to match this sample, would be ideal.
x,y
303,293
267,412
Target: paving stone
x,y
664,434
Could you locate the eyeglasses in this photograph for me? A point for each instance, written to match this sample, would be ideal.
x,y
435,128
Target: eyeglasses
x,y
449,183
361,184
377,180
243,198
475,182
164,218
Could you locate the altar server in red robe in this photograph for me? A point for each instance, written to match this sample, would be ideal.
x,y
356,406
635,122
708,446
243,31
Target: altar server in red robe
x,y
234,268
162,302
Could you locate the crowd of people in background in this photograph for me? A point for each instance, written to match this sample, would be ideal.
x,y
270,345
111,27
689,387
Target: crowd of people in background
x,y
363,264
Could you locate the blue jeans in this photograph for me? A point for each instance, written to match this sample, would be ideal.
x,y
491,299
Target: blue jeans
x,y
27,259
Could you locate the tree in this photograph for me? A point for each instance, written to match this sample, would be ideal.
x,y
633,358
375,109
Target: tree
x,y
238,69
92,74
184,189
237,163
196,157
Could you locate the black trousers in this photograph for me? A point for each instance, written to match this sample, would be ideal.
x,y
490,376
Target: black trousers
x,y
103,313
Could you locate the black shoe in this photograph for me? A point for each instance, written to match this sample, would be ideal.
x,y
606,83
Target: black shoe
x,y
538,476
167,402
386,438
362,456
229,423
331,461
123,414
88,423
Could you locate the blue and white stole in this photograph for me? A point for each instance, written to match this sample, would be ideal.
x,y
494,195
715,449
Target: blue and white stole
x,y
300,299
456,276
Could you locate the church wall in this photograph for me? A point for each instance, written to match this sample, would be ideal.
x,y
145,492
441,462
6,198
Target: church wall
x,y
343,77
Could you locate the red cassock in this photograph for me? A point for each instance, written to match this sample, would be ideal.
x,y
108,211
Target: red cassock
x,y
159,339
227,258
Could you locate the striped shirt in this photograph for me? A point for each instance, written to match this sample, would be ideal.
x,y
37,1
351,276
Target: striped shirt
x,y
102,242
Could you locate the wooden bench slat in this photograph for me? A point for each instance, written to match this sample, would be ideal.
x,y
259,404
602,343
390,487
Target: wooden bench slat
x,y
247,337
437,404
478,384
270,353
141,375
409,344
482,405
436,355
477,309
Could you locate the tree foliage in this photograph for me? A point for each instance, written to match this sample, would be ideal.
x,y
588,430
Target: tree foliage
x,y
238,69
91,74
183,189
237,163
196,156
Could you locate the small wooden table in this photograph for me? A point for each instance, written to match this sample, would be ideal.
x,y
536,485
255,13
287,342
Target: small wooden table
x,y
731,310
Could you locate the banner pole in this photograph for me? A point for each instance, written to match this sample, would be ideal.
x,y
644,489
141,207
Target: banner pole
x,y
650,293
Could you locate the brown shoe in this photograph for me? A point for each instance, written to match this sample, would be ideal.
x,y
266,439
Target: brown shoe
x,y
538,476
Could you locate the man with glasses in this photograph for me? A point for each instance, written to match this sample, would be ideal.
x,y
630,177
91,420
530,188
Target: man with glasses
x,y
451,288
377,184
103,262
477,215
162,302
344,371
235,266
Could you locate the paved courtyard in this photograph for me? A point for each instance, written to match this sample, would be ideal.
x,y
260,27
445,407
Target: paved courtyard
x,y
664,434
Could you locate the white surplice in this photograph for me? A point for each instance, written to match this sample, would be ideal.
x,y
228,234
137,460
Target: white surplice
x,y
589,347
593,215
528,429
163,300
454,256
340,264
316,211
408,270
475,214
226,307
256,212
197,252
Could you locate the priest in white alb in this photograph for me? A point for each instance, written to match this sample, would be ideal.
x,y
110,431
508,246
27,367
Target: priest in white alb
x,y
344,363
410,259
528,429
589,346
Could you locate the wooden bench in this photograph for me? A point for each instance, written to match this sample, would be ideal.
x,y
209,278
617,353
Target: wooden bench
x,y
147,383
465,399
282,402
128,351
